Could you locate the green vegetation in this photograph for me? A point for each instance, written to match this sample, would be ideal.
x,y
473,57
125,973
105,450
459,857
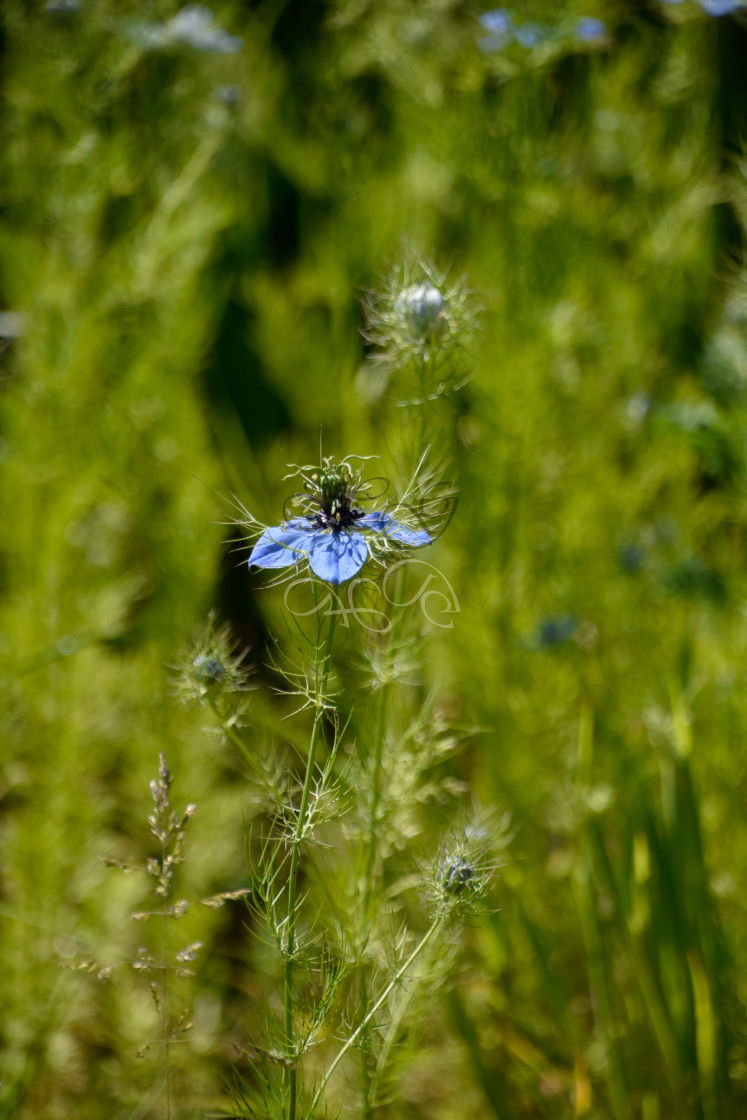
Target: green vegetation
x,y
188,230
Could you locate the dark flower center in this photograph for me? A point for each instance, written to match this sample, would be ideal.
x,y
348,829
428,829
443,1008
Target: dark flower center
x,y
330,500
338,513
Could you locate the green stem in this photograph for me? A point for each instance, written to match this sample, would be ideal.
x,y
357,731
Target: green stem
x,y
372,847
392,1033
164,985
368,875
319,1094
422,406
591,932
378,761
293,874
231,733
365,1072
375,802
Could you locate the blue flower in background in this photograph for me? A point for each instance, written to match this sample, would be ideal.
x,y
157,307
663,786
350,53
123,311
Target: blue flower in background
x,y
332,533
62,7
229,95
632,557
531,34
590,30
553,631
499,24
719,7
503,30
639,405
194,26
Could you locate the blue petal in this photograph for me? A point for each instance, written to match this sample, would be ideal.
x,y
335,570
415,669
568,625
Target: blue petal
x,y
530,34
279,547
589,29
378,520
382,522
498,22
414,537
719,7
336,556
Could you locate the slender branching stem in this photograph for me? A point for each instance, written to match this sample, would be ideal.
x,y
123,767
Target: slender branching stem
x,y
422,407
165,981
365,1071
230,731
368,875
371,847
351,1041
376,790
322,677
393,1030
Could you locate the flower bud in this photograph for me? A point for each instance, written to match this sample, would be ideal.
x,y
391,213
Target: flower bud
x,y
212,668
423,310
454,875
208,669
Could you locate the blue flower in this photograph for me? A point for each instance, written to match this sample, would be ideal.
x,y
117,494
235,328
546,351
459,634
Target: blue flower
x,y
531,34
62,7
229,95
553,632
331,533
500,25
719,7
498,22
590,29
631,557
194,26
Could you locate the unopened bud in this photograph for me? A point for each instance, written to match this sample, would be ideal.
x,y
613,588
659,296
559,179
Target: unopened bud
x,y
423,310
454,874
209,669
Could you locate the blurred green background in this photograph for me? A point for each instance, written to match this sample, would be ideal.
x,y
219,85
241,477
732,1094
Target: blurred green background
x,y
186,228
